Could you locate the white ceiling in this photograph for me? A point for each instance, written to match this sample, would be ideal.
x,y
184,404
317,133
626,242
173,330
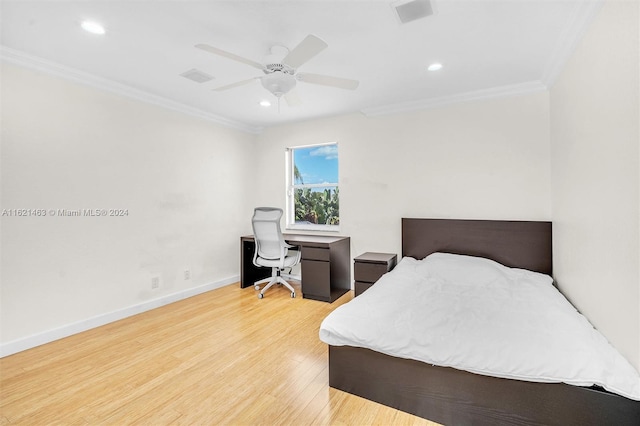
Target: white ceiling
x,y
488,48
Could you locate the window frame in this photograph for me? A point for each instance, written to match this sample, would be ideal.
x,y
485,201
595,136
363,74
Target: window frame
x,y
291,186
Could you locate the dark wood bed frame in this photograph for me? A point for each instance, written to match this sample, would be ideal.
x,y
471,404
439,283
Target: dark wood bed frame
x,y
455,397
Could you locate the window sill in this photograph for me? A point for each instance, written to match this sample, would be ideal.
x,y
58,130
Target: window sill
x,y
310,227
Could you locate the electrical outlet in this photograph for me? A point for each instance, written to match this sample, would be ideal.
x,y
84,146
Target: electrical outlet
x,y
187,274
155,283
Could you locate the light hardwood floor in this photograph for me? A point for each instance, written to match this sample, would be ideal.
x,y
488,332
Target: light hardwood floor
x,y
223,357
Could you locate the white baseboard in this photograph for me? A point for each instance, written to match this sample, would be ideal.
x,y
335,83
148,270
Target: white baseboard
x,y
22,344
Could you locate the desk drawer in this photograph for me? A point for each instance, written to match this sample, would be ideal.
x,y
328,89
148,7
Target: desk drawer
x,y
314,253
316,279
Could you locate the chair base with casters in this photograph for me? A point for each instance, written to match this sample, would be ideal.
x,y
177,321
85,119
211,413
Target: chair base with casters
x,y
276,278
271,249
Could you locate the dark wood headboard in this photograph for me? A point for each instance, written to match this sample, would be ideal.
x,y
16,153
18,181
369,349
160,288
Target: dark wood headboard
x,y
517,244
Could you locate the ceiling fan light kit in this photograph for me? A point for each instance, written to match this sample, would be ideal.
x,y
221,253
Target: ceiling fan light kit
x,y
280,77
278,83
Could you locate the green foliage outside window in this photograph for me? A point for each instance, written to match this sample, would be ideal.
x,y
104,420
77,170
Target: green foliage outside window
x,y
317,206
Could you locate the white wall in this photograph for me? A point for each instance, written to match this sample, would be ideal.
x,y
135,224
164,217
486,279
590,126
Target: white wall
x,y
66,146
595,177
485,160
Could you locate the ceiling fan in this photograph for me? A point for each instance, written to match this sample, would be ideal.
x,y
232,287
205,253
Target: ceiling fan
x,y
280,71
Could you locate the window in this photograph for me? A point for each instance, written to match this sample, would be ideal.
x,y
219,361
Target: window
x,y
312,187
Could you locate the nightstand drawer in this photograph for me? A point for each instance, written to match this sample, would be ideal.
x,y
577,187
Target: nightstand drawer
x,y
369,272
360,287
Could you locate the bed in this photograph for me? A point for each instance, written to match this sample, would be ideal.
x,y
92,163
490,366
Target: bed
x,y
453,396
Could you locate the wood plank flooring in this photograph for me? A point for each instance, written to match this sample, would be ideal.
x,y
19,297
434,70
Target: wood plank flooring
x,y
223,357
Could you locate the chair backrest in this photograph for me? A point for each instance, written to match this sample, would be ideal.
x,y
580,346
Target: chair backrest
x,y
267,233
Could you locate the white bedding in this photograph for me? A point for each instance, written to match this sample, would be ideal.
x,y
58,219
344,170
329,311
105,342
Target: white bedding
x,y
476,315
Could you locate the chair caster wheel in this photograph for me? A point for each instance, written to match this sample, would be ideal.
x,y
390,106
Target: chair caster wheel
x,y
293,294
256,287
260,295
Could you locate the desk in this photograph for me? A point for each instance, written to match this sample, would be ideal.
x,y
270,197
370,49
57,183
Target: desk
x,y
325,265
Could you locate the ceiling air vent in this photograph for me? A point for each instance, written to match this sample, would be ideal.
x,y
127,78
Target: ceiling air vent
x,y
197,76
412,10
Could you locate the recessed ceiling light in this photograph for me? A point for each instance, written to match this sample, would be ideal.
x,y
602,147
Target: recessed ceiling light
x,y
265,103
92,27
435,66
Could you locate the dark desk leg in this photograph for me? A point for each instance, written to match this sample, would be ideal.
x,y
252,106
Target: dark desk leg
x,y
249,273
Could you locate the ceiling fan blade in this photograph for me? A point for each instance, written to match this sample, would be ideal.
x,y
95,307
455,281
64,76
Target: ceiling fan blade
x,y
307,49
236,84
228,55
292,98
325,80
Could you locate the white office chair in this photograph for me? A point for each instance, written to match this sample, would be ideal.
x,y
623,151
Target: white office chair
x,y
271,250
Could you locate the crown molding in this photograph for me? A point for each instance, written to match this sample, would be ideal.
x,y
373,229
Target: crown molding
x,y
43,65
476,95
581,17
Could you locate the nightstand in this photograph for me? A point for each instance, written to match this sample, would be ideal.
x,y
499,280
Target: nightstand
x,y
369,267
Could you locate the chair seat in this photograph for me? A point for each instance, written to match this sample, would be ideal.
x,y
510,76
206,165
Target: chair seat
x,y
289,261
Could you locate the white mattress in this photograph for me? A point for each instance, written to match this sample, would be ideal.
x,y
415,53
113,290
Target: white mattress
x,y
476,315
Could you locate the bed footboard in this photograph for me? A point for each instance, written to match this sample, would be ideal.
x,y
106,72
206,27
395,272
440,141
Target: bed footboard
x,y
455,397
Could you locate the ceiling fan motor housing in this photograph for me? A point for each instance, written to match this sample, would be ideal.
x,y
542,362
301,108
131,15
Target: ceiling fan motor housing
x,y
276,67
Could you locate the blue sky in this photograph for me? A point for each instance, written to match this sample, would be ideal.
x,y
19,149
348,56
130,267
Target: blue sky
x,y
317,164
